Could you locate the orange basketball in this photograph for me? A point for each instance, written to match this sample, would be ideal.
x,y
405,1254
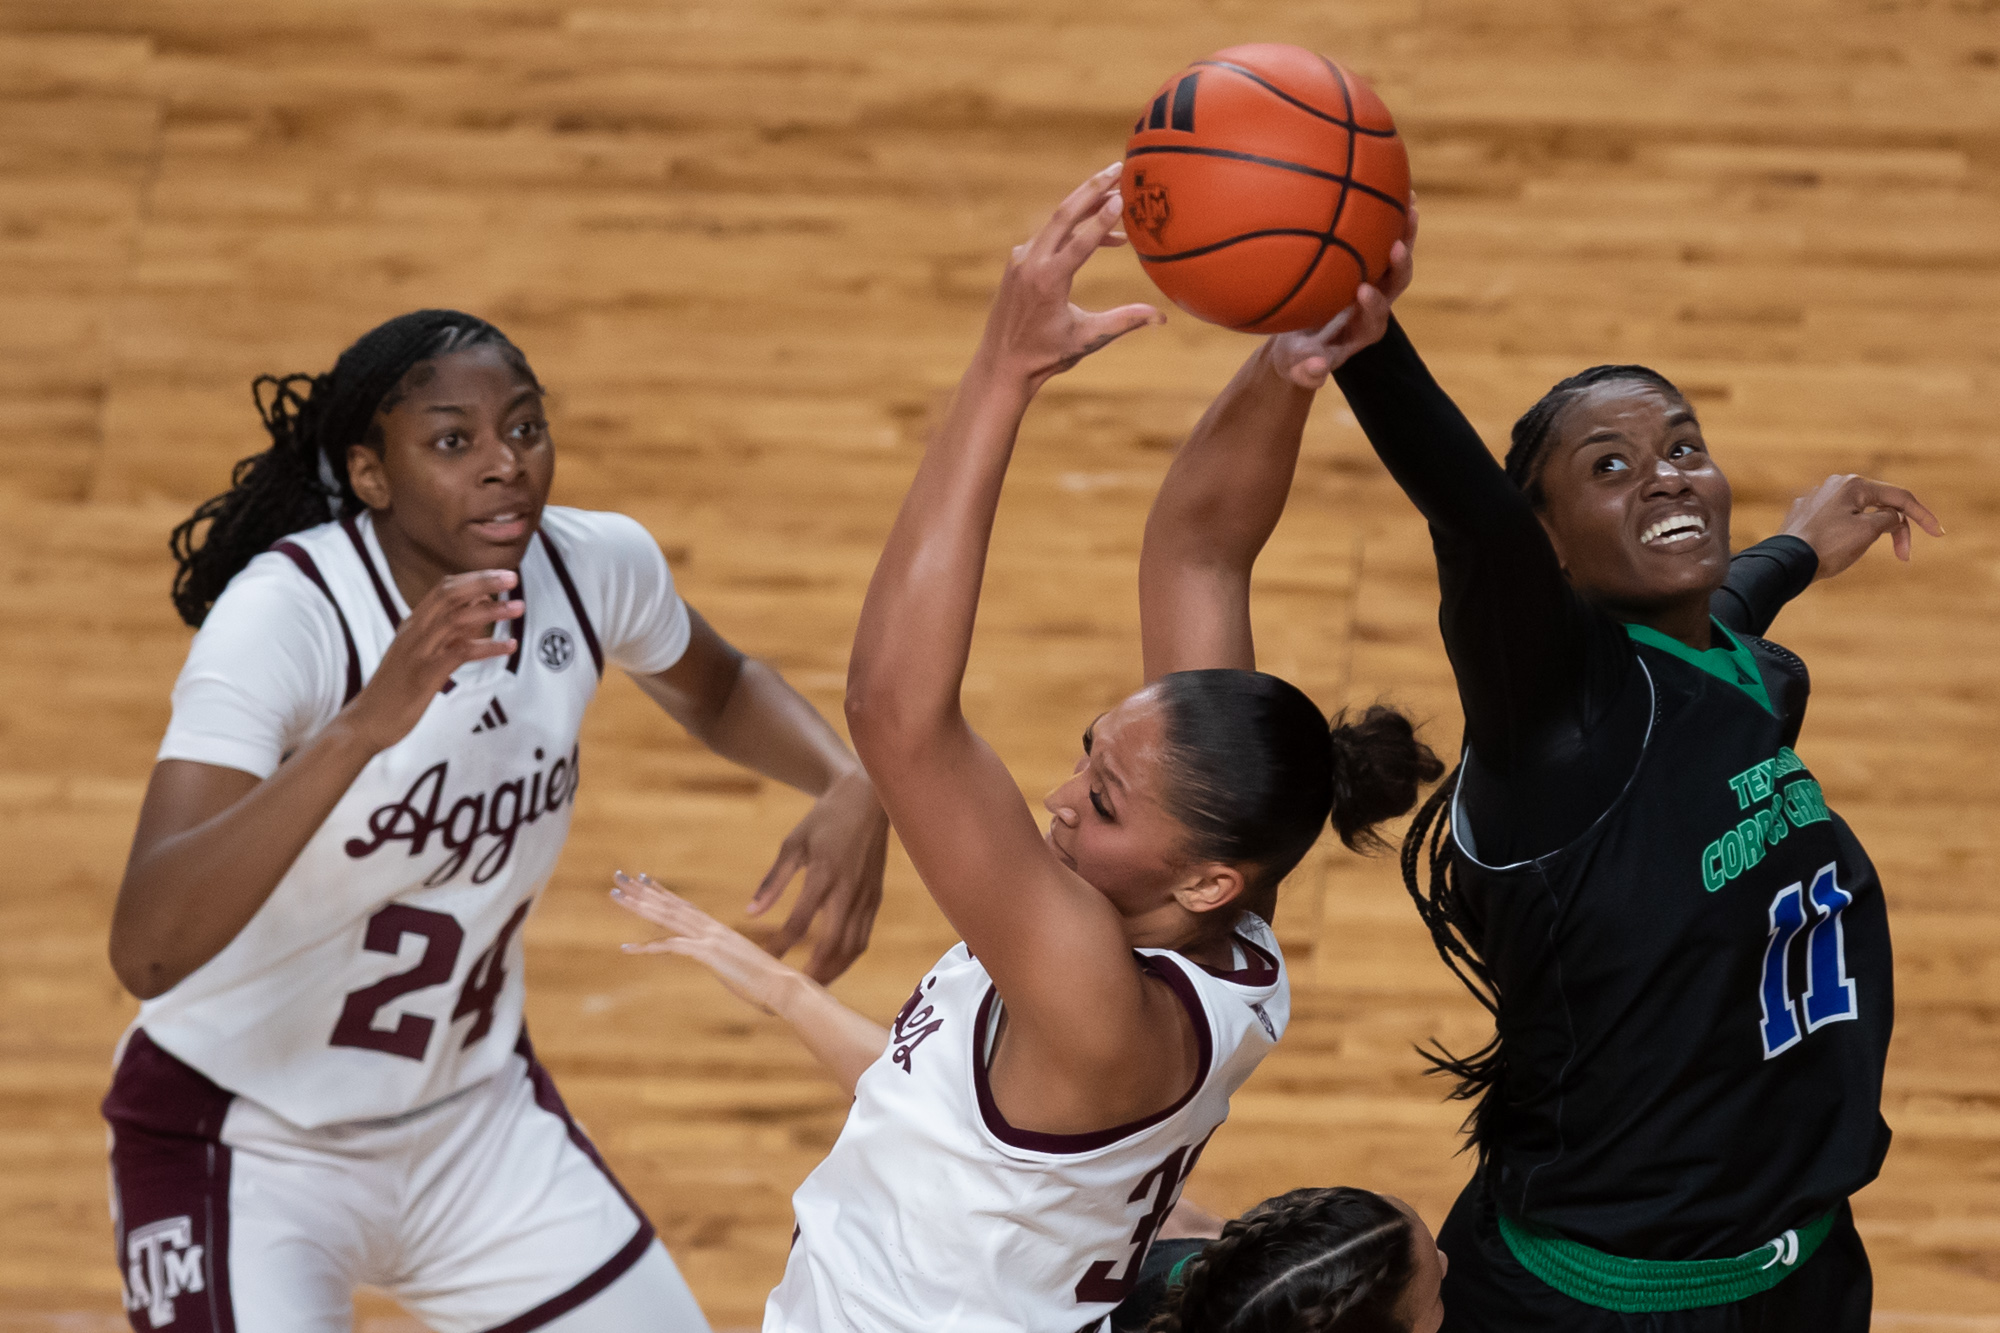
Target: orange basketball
x,y
1262,185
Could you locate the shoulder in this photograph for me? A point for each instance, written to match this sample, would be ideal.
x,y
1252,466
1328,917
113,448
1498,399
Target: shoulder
x,y
1786,679
274,602
598,538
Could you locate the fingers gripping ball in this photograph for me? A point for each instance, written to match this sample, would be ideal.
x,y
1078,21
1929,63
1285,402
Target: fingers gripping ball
x,y
1262,186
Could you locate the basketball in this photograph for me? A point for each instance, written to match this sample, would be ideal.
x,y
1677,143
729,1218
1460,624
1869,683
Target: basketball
x,y
1262,185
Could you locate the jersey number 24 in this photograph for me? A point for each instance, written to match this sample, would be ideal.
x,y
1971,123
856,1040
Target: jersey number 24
x,y
443,937
1831,994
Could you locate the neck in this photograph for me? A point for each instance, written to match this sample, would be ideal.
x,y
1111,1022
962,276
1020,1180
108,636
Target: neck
x,y
1173,927
1687,621
415,570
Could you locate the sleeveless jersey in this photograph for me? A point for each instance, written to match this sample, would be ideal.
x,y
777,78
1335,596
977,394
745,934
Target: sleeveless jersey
x,y
933,1215
384,972
1697,992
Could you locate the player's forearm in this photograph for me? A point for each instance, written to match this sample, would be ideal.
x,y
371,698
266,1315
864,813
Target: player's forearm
x,y
915,631
770,728
1227,487
844,1041
186,894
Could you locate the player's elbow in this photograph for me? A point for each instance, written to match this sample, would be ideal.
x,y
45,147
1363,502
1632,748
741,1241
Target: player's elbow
x,y
888,724
143,975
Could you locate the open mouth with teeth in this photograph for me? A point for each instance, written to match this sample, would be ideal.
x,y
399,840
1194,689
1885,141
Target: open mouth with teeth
x,y
509,526
1680,530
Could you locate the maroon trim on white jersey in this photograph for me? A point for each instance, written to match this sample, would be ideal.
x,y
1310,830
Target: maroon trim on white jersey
x,y
170,1182
611,1269
1262,969
1034,1140
353,531
575,603
295,553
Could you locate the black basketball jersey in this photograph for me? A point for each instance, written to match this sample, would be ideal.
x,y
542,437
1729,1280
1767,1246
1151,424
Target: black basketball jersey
x,y
1697,992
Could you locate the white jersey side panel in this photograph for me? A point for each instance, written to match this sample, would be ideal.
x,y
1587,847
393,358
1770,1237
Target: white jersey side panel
x,y
385,970
933,1215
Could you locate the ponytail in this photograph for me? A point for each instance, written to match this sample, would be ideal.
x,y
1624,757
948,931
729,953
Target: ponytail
x,y
301,480
1311,1261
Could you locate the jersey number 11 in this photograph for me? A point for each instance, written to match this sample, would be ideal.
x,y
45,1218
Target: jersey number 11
x,y
1831,995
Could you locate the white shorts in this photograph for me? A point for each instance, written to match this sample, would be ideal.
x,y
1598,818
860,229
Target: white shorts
x,y
488,1212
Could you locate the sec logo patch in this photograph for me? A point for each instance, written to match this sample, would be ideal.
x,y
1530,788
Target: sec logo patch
x,y
556,649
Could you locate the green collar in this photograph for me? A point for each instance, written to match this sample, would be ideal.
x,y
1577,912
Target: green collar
x,y
1733,664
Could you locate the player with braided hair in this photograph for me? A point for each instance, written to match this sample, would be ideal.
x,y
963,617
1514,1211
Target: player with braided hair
x,y
366,782
1338,1260
1685,951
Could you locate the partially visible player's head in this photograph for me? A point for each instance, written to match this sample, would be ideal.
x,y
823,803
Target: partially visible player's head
x,y
1196,796
1312,1261
1614,462
423,420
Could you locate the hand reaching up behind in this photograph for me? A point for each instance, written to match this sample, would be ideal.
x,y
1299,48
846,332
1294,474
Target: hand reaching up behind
x,y
1308,356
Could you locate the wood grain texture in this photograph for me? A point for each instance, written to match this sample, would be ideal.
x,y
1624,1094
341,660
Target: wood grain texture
x,y
749,245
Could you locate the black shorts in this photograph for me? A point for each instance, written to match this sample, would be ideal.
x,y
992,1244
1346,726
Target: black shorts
x,y
1487,1291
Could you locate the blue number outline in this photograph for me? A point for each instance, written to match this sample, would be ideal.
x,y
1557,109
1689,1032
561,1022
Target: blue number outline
x,y
1831,995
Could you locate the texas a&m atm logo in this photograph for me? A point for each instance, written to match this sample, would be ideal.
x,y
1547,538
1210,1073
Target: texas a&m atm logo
x,y
161,1262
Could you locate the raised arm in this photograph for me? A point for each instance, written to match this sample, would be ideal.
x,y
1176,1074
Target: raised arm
x,y
1053,944
1227,487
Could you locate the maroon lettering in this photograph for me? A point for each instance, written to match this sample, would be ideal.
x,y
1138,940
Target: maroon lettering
x,y
483,983
497,815
913,1025
443,937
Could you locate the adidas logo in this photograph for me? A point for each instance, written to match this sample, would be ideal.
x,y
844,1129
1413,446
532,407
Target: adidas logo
x,y
494,716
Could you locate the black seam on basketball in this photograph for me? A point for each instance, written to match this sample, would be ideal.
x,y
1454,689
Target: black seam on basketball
x,y
1301,168
1297,287
1349,124
1201,250
1332,232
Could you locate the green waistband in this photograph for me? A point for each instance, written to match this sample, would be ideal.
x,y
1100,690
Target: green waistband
x,y
1637,1286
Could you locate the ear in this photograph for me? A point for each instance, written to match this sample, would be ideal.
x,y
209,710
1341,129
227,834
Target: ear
x,y
367,475
1216,885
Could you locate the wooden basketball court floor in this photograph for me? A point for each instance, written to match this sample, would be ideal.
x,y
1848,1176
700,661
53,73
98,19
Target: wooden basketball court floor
x,y
749,244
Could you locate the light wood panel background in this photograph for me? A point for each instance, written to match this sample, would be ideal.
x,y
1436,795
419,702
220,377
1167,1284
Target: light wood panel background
x,y
749,244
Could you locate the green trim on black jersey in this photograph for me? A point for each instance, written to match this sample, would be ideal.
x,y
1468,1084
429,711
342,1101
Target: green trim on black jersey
x,y
1639,1286
1733,664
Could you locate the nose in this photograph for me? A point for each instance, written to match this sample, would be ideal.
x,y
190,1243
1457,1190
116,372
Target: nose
x,y
1057,804
499,461
1666,478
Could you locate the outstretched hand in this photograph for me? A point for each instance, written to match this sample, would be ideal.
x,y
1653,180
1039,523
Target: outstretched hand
x,y
1307,357
744,969
1034,329
1842,517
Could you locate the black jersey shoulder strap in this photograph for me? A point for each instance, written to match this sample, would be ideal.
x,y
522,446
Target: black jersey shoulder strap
x,y
295,553
575,602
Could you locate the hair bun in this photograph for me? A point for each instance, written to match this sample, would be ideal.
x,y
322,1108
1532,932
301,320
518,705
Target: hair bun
x,y
1379,766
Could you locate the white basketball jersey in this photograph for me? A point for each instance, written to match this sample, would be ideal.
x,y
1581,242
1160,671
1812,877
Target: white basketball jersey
x,y
385,970
933,1215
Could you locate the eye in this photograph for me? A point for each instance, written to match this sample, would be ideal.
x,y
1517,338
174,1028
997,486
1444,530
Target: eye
x,y
1097,804
531,429
1086,742
1684,449
1609,463
450,442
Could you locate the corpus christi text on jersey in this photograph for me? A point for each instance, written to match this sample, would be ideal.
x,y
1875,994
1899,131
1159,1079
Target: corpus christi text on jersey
x,y
497,814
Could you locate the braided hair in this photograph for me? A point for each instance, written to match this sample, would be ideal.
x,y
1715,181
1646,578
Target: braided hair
x,y
301,480
1311,1261
1430,861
